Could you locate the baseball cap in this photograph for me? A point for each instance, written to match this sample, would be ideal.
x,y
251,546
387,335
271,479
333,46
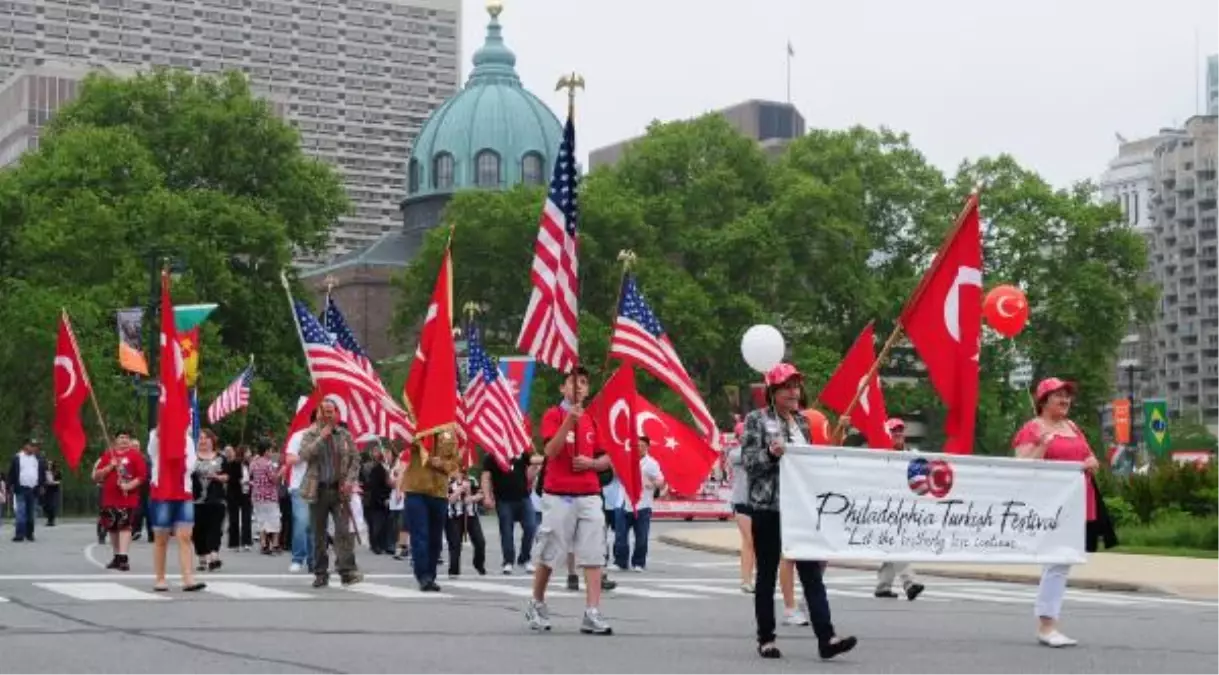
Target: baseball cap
x,y
1053,384
895,424
782,373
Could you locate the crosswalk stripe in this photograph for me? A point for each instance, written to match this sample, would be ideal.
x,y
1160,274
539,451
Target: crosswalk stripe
x,y
700,588
663,595
3,600
505,589
99,591
1030,596
393,592
975,597
236,590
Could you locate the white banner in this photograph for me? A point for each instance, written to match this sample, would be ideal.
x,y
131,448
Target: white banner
x,y
855,504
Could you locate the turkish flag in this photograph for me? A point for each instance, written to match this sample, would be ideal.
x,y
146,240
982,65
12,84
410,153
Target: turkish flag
x,y
613,412
71,389
684,457
434,368
943,320
173,413
869,414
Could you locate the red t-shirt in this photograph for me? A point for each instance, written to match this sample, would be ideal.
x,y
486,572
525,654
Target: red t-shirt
x,y
131,466
1061,449
561,478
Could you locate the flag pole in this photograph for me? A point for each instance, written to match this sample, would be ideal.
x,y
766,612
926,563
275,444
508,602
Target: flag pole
x,y
245,412
571,82
97,410
627,258
789,72
970,203
283,277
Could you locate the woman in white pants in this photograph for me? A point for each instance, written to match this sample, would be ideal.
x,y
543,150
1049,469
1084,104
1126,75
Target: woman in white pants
x,y
1052,436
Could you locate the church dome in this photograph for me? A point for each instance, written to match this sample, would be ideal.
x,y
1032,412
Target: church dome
x,y
493,134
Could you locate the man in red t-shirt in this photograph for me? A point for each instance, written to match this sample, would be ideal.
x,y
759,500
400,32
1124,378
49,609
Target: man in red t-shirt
x,y
571,505
121,471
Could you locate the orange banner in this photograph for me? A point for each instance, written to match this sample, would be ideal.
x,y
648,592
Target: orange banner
x,y
1121,421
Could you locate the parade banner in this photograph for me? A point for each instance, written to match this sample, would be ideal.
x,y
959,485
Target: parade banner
x,y
853,504
1121,421
1155,423
130,326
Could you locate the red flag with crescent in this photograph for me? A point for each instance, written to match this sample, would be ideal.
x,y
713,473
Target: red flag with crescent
x,y
851,376
685,458
71,389
613,412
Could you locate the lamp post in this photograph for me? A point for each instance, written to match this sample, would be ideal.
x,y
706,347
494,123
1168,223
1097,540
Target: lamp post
x,y
156,262
1131,366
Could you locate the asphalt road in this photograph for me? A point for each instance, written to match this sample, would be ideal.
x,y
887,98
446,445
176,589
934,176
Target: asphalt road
x,y
61,612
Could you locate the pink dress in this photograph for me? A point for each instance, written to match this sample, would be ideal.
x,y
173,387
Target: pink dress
x,y
1061,449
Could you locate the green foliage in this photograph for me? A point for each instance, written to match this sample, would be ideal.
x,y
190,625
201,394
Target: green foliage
x,y
1173,506
1173,530
162,164
1189,433
832,235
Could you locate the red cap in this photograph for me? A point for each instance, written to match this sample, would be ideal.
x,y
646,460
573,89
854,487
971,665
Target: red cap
x,y
782,373
1052,384
895,423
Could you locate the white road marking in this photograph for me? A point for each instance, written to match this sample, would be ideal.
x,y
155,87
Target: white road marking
x,y
393,592
100,591
701,588
505,589
236,590
933,594
647,593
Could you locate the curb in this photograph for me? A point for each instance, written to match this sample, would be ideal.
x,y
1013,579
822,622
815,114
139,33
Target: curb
x,y
1092,584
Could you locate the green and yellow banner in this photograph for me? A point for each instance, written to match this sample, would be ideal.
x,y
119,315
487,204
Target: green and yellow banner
x,y
1155,425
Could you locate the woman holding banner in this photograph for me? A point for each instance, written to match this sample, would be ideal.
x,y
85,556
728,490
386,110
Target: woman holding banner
x,y
767,433
1052,436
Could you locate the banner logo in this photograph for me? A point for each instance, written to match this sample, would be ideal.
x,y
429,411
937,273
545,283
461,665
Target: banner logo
x,y
934,477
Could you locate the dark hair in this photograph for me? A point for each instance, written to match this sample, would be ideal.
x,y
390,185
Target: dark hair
x,y
122,431
212,435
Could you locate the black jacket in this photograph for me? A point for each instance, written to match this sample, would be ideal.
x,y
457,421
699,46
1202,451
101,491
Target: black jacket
x,y
14,472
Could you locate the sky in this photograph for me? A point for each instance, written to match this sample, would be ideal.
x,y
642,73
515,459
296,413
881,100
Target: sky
x,y
1048,81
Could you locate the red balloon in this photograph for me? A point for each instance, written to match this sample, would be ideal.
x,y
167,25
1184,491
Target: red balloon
x,y
819,426
1006,310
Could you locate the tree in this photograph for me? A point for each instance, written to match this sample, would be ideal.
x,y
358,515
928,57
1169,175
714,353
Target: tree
x,y
162,164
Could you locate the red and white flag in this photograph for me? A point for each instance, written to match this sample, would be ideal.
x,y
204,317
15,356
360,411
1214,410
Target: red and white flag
x,y
495,419
72,387
234,397
173,413
613,413
943,320
431,390
684,457
550,332
851,376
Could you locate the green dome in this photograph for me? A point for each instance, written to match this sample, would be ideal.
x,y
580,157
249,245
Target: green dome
x,y
492,134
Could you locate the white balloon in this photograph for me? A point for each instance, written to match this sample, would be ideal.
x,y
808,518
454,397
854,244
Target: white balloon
x,y
763,347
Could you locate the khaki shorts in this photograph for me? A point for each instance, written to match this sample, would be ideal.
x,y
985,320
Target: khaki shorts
x,y
571,524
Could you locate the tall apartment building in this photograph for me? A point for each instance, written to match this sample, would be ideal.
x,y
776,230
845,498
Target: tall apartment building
x,y
357,77
1212,84
1182,355
772,124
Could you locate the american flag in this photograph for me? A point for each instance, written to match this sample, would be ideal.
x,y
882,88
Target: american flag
x,y
494,416
337,373
640,339
234,397
549,332
336,326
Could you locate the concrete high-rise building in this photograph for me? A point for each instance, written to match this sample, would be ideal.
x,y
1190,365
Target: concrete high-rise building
x,y
357,77
772,124
1182,355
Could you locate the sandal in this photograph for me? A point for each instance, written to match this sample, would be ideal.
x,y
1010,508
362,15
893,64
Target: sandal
x,y
161,588
769,651
197,586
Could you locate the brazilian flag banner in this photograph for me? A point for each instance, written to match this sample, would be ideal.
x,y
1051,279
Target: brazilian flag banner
x,y
1155,422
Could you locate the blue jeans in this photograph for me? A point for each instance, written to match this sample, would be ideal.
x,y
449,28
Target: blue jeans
x,y
302,531
615,520
426,516
25,503
167,516
640,523
509,514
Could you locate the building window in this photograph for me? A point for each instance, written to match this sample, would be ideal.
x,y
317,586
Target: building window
x,y
442,171
1135,210
486,164
531,169
413,176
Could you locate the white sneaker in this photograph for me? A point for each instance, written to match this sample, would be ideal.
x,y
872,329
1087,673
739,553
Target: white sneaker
x,y
1055,639
295,568
795,618
529,568
637,569
507,568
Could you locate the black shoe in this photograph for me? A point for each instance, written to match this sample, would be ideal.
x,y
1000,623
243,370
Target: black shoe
x,y
429,587
17,539
914,590
321,580
573,582
214,565
769,651
608,584
113,564
887,593
135,536
829,650
482,570
124,566
351,578
201,567
30,538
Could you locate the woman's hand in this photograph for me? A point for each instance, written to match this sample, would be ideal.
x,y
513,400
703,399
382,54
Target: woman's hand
x,y
776,448
1091,464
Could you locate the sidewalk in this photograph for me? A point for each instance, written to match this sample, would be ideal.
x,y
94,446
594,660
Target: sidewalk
x,y
1192,578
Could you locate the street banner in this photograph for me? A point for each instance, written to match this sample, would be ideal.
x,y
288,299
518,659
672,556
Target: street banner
x,y
1121,421
854,504
130,331
519,371
1155,426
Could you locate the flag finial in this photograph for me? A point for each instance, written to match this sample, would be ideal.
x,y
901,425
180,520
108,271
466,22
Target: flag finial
x,y
570,82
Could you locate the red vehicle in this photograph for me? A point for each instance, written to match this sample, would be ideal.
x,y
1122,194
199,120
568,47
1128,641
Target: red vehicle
x,y
713,501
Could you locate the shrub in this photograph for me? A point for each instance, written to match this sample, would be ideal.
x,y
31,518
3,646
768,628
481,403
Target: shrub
x,y
1173,529
1121,512
1186,488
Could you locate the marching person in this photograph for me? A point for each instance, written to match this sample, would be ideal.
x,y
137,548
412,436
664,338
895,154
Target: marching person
x,y
897,570
740,509
464,496
302,528
51,496
639,521
172,510
767,433
507,492
1052,436
427,505
395,531
376,502
27,474
120,472
208,485
240,506
571,505
329,482
264,495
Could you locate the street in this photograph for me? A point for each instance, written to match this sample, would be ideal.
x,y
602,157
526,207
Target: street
x,y
61,612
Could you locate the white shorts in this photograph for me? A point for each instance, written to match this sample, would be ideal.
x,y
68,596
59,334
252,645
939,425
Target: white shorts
x,y
571,525
266,514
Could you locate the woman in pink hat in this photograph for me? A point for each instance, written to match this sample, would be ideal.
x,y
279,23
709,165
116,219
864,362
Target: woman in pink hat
x,y
1052,436
768,432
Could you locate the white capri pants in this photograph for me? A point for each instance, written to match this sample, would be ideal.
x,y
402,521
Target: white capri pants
x,y
1051,590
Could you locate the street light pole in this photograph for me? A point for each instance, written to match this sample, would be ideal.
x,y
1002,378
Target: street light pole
x,y
152,389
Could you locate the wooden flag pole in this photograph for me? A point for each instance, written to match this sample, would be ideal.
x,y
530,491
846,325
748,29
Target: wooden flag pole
x,y
627,258
898,329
